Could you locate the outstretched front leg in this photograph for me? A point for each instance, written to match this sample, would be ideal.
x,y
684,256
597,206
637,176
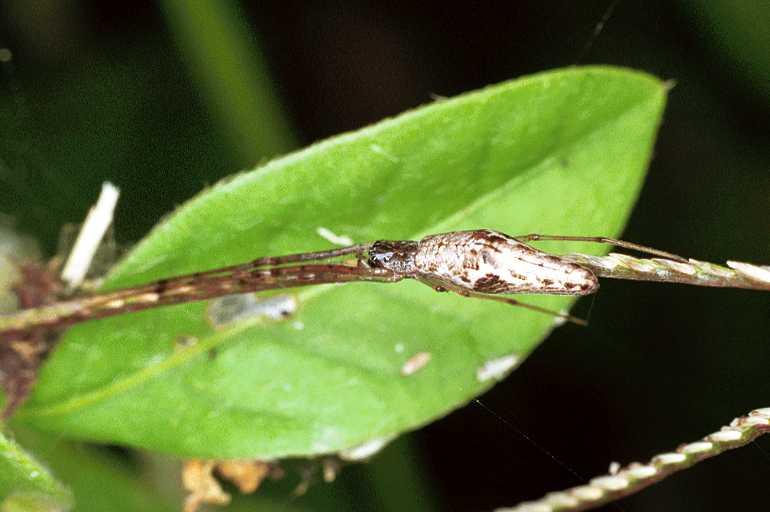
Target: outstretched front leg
x,y
534,237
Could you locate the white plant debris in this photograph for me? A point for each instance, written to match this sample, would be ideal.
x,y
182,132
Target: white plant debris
x,y
91,233
497,368
333,238
415,363
365,450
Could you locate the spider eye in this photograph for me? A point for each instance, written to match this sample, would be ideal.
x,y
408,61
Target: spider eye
x,y
380,259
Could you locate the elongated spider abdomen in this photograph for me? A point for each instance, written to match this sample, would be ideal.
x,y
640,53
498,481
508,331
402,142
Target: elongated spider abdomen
x,y
488,261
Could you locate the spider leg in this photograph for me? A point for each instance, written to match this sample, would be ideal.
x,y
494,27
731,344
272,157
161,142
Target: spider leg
x,y
534,237
444,287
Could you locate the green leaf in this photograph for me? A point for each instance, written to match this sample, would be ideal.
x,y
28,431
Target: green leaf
x,y
25,484
99,479
559,152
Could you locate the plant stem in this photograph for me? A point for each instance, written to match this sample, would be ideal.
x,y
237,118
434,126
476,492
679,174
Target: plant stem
x,y
635,477
697,273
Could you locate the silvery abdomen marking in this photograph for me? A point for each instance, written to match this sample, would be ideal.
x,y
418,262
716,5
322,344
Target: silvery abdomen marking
x,y
488,261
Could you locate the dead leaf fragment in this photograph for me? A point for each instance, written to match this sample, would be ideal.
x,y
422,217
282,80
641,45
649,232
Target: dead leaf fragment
x,y
21,354
198,479
247,475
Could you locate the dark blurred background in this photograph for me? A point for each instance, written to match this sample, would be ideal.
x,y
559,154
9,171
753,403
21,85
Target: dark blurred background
x,y
131,93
